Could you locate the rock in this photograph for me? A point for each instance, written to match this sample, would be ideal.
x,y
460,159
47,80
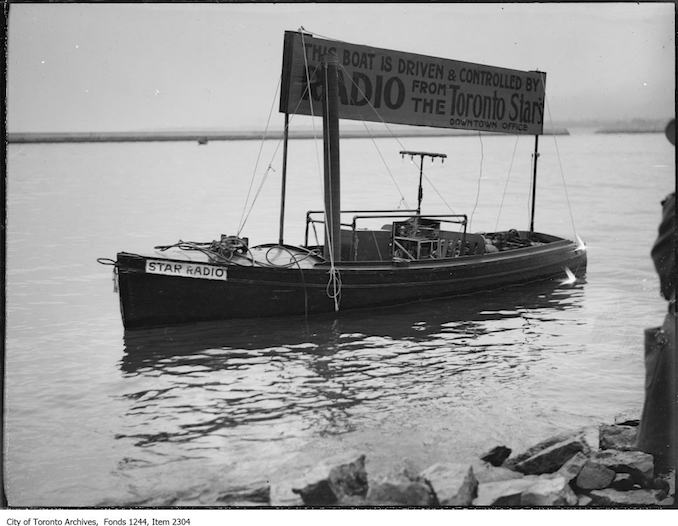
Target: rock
x,y
632,422
553,457
670,478
503,493
511,462
549,491
594,476
662,486
622,482
487,473
588,436
452,484
283,496
627,418
327,485
497,455
406,467
350,478
400,467
399,491
636,463
572,467
256,494
621,438
636,497
584,500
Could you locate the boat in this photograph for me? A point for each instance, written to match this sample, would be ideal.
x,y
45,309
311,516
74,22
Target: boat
x,y
413,257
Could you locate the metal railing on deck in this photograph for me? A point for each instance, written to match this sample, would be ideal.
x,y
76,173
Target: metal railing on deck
x,y
460,219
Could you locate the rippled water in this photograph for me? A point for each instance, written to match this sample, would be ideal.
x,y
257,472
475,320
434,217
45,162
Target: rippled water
x,y
95,415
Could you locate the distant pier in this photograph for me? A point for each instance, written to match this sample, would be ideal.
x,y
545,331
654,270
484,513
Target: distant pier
x,y
205,137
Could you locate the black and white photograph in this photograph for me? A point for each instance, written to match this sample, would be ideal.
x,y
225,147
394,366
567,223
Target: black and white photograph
x,y
337,256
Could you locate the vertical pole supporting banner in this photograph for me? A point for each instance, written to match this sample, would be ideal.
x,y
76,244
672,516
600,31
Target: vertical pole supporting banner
x,y
331,157
284,179
534,182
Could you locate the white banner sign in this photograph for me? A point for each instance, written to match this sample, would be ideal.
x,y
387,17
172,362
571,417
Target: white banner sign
x,y
186,270
404,88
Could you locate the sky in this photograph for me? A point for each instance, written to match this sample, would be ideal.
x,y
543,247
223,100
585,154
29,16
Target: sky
x,y
147,67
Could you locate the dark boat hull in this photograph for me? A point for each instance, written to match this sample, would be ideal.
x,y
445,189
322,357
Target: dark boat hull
x,y
148,300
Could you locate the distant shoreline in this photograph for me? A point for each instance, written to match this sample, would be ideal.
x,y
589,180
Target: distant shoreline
x,y
204,137
631,130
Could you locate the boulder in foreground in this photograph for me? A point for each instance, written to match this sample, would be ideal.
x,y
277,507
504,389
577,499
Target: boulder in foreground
x,y
622,482
327,485
636,497
503,493
636,463
452,484
256,494
553,457
594,476
399,490
549,491
573,467
487,473
621,438
496,456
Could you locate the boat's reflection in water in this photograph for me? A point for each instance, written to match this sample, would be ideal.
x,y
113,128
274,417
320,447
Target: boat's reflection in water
x,y
271,367
459,322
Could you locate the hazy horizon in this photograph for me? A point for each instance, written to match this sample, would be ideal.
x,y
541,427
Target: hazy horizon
x,y
131,67
631,123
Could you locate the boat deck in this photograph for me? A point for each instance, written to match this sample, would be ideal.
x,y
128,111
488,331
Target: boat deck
x,y
265,256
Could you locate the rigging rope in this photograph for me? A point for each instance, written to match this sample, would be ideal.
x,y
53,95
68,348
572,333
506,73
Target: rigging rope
x,y
480,175
560,164
275,152
435,189
508,178
308,88
243,217
388,169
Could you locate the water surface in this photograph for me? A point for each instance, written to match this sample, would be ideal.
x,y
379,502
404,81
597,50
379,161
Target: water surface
x,y
95,415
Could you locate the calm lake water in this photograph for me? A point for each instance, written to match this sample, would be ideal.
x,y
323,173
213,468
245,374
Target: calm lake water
x,y
97,416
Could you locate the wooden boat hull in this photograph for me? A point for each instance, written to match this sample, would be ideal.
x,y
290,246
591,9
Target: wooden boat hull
x,y
148,299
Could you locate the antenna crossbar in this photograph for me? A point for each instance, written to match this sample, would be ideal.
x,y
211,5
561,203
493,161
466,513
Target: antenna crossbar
x,y
421,155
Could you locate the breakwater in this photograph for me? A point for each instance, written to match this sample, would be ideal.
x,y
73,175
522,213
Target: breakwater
x,y
634,126
205,137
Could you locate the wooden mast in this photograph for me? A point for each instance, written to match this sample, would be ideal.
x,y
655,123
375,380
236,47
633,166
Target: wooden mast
x,y
534,182
284,179
331,178
542,76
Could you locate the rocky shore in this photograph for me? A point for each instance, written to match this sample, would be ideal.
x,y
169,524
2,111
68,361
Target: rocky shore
x,y
591,467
